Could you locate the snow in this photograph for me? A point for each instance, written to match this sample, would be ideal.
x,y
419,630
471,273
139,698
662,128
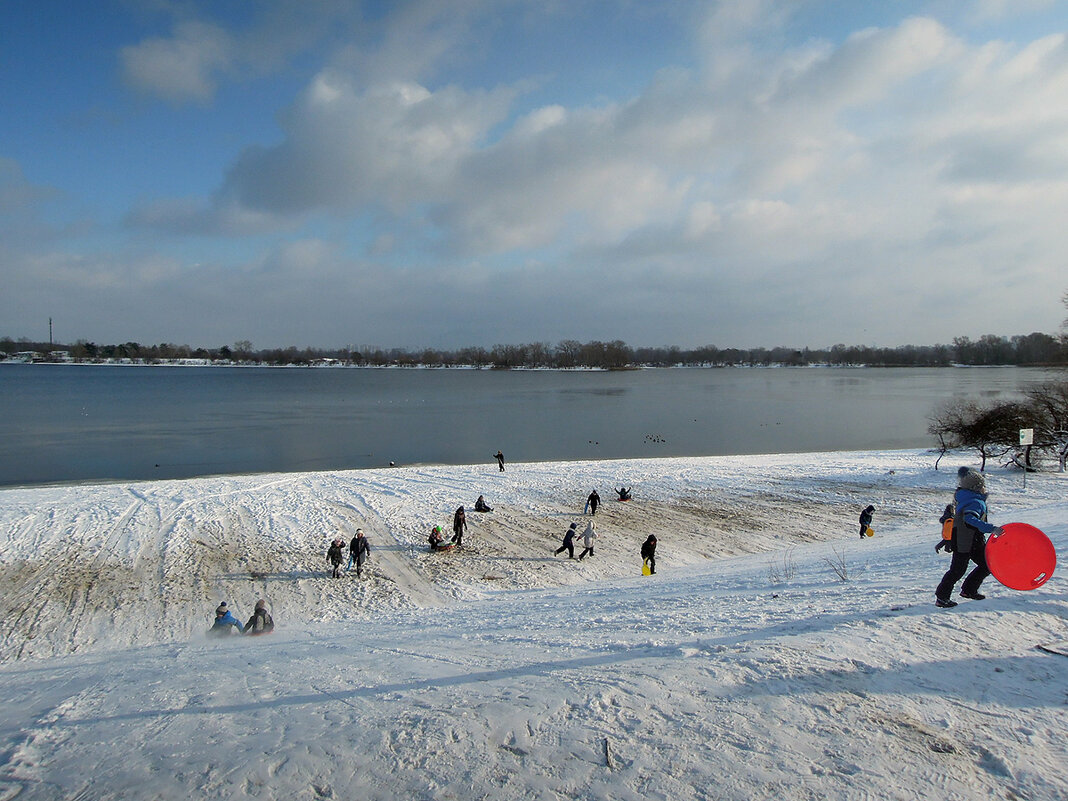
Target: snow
x,y
746,668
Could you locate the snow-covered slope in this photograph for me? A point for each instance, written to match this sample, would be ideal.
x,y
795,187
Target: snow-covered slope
x,y
747,667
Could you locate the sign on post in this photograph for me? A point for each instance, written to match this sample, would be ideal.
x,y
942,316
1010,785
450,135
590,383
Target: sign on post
x,y
1027,438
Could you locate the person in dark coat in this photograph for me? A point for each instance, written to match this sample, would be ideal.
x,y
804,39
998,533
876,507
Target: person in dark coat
x,y
500,460
334,555
261,621
436,539
592,502
649,552
623,493
482,506
359,551
970,540
459,526
865,520
224,619
569,542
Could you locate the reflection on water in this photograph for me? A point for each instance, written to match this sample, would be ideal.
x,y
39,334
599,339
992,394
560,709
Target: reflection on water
x,y
75,422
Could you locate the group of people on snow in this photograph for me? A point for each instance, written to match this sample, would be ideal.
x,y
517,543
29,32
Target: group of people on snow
x,y
588,536
261,621
359,552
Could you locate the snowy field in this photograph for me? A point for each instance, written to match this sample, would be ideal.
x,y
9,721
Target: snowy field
x,y
775,654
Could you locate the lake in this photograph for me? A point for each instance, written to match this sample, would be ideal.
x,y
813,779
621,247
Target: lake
x,y
99,422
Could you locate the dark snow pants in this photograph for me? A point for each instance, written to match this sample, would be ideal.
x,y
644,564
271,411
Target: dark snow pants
x,y
957,568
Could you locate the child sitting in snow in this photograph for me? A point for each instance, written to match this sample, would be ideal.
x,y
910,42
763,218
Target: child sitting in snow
x,y
224,619
261,621
437,539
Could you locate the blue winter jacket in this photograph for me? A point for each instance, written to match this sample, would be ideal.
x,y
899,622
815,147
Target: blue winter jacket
x,y
970,519
222,624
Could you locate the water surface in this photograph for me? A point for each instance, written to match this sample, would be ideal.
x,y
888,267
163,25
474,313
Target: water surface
x,y
79,422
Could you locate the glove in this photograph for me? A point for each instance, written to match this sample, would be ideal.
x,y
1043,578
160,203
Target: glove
x,y
997,532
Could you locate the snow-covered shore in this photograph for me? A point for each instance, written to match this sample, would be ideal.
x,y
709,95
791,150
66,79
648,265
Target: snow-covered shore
x,y
746,668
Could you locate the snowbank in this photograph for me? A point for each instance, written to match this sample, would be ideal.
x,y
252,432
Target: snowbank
x,y
746,668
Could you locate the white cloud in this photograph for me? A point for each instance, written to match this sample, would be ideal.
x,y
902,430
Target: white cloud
x,y
393,144
180,68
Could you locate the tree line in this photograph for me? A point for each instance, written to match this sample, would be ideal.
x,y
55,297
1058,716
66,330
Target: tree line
x,y
1030,349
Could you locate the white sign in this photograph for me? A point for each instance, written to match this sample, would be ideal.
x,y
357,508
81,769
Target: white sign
x,y
1027,436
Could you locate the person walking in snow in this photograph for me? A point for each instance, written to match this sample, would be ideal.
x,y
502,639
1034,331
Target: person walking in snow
x,y
224,619
459,526
334,555
649,552
359,551
588,536
569,542
865,520
970,541
500,460
592,502
261,621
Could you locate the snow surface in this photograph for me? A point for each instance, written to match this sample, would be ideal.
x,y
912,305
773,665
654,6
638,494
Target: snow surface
x,y
775,653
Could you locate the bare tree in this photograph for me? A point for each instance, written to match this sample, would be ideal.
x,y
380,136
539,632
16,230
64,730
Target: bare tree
x,y
1049,403
991,430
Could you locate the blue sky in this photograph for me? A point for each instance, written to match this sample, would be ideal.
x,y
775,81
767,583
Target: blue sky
x,y
468,172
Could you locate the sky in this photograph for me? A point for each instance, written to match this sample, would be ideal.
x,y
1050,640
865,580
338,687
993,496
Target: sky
x,y
474,172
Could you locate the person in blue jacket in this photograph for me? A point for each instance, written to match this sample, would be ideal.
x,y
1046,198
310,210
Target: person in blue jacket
x,y
970,540
224,619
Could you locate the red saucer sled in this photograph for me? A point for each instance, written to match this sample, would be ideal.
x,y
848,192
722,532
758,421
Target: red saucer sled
x,y
1022,557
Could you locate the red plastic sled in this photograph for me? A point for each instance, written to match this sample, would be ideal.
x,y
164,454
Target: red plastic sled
x,y
1022,558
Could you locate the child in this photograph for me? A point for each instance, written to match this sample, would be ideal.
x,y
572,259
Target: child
x,y
569,544
224,619
865,520
261,621
334,555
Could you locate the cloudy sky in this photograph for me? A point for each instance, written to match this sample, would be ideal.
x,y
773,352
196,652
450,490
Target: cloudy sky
x,y
471,172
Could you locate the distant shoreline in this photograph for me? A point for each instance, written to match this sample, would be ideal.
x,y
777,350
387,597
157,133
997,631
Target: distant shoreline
x,y
489,368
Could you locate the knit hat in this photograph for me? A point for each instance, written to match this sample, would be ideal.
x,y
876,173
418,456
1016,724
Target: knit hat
x,y
221,609
261,604
971,479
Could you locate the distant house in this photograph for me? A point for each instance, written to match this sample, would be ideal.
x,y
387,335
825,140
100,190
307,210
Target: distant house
x,y
28,356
